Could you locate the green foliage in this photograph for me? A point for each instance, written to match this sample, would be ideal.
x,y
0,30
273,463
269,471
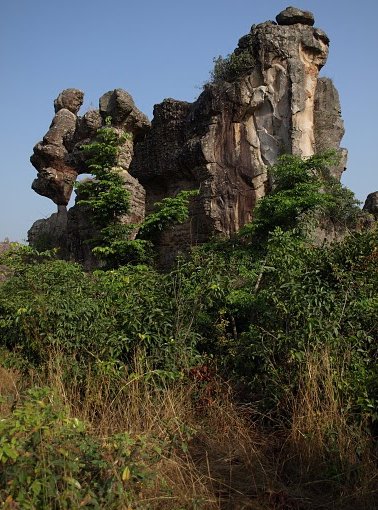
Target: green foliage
x,y
105,195
169,211
258,312
302,187
107,200
231,67
118,247
49,460
298,300
342,206
93,318
18,256
102,154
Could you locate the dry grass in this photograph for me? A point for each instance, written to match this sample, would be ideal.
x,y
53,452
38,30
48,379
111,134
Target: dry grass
x,y
325,456
217,455
9,389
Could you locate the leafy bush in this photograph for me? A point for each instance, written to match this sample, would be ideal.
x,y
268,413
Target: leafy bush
x,y
302,188
107,201
169,211
231,67
108,315
300,300
105,196
49,460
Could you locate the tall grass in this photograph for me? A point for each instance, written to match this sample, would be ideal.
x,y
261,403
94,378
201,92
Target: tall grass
x,y
329,457
215,453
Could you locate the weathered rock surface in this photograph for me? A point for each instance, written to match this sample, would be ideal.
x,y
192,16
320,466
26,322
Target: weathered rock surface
x,y
51,232
58,157
51,157
70,99
225,142
371,204
59,160
222,144
69,230
292,15
328,124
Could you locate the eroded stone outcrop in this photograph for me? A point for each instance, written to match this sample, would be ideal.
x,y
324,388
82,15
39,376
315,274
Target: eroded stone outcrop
x,y
225,142
292,16
328,124
59,160
222,144
371,204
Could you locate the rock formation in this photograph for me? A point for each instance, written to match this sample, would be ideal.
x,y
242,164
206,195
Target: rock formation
x,y
59,160
371,204
222,144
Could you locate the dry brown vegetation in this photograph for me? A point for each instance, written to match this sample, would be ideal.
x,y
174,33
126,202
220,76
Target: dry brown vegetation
x,y
217,454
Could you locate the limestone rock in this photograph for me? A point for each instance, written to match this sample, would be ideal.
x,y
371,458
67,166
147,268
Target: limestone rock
x,y
80,228
120,107
51,158
87,126
50,233
292,16
371,204
69,230
223,144
117,104
70,99
59,159
328,124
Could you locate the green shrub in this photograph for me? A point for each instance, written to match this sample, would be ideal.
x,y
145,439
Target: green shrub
x,y
108,315
169,211
300,300
105,195
231,67
49,460
302,191
108,201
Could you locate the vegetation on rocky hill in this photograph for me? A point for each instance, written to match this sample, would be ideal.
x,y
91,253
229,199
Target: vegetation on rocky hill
x,y
244,377
117,242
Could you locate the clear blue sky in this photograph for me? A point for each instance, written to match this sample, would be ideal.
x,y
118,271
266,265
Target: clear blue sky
x,y
157,49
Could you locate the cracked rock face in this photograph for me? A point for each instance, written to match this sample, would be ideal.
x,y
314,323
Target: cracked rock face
x,y
223,143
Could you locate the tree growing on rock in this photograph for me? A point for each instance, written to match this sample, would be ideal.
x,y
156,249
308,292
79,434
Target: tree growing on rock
x,y
108,202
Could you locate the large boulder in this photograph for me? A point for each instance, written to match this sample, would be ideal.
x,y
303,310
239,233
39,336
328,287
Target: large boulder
x,y
70,99
292,16
371,204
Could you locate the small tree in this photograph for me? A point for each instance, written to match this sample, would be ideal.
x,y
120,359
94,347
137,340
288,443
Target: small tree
x,y
105,195
108,200
169,211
